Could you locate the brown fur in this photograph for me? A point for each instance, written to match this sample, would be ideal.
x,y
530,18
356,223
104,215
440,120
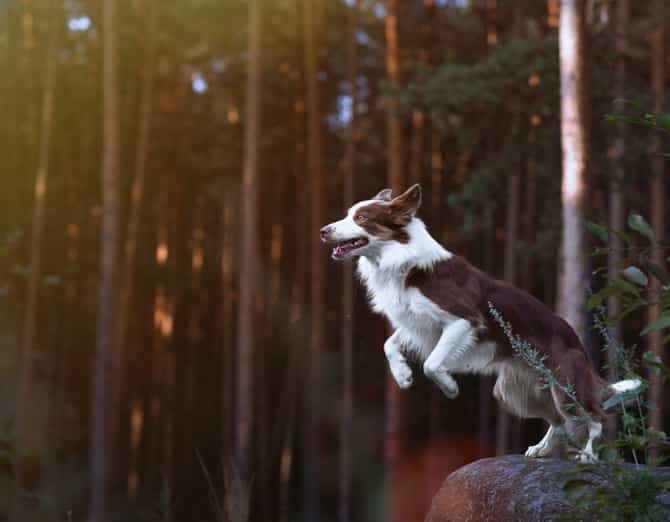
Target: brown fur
x,y
465,291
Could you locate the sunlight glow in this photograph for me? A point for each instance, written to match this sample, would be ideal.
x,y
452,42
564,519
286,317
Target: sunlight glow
x,y
233,115
79,23
275,248
533,80
198,83
345,109
197,258
162,253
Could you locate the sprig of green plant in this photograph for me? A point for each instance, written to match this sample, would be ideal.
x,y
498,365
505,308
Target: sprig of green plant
x,y
525,351
609,490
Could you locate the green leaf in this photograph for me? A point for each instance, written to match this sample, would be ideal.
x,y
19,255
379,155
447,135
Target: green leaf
x,y
635,275
663,120
598,230
654,363
640,225
659,324
597,298
625,286
657,270
621,398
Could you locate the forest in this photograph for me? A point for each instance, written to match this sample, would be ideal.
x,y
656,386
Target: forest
x,y
176,343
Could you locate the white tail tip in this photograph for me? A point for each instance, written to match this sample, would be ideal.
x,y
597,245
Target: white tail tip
x,y
625,385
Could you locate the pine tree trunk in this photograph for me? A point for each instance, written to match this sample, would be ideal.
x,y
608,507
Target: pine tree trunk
x,y
312,456
657,190
105,364
228,266
530,208
127,289
616,220
25,401
572,285
395,407
349,173
249,249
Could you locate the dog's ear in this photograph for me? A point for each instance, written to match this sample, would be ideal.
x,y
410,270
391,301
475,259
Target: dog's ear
x,y
384,195
404,207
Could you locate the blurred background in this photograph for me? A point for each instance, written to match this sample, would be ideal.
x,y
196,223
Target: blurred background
x,y
175,343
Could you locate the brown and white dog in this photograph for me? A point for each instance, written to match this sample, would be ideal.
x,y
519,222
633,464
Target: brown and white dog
x,y
438,305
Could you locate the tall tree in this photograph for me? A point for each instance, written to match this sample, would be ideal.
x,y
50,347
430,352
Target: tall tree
x,y
509,428
574,141
110,239
349,172
395,414
26,384
311,20
657,190
616,203
616,220
248,269
127,289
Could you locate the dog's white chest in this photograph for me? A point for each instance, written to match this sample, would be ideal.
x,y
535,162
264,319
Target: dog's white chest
x,y
406,308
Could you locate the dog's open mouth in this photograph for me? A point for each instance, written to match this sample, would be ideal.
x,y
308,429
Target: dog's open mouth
x,y
346,247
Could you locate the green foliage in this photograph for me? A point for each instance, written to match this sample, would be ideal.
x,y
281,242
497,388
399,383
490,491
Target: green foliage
x,y
615,492
498,79
631,286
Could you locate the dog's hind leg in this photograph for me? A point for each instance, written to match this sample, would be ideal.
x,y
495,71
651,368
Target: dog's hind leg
x,y
456,338
595,430
587,415
520,391
547,445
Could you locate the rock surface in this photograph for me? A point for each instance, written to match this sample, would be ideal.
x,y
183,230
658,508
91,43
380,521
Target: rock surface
x,y
510,489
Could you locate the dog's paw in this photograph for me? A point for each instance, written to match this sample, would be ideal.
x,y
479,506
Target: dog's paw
x,y
402,374
538,450
586,456
448,386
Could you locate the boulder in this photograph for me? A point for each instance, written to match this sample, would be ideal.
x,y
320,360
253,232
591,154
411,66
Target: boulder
x,y
512,489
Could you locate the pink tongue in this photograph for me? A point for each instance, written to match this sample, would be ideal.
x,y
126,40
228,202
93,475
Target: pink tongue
x,y
342,249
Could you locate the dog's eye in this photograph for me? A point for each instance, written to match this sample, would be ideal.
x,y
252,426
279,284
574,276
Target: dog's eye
x,y
360,218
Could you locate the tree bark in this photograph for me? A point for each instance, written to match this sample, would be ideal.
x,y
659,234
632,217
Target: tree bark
x,y
249,249
109,272
348,302
657,190
528,262
312,455
25,407
572,284
616,220
127,288
395,407
228,268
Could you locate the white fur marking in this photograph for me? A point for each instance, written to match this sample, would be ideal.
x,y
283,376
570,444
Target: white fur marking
x,y
400,370
457,337
546,445
595,430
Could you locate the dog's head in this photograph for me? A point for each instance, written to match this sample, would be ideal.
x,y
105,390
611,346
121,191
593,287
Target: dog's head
x,y
372,223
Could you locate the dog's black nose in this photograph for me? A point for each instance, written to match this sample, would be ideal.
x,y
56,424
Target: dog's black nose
x,y
325,232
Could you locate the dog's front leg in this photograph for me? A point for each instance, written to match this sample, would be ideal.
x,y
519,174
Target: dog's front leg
x,y
400,370
455,339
